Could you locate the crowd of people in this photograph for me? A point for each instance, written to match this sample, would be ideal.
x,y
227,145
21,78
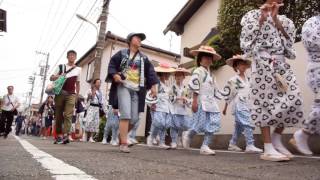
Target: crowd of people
x,y
263,93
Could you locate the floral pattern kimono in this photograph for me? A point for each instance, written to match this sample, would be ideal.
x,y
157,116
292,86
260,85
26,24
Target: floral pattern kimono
x,y
92,118
311,41
239,90
271,105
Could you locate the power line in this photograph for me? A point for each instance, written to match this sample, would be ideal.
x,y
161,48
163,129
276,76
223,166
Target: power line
x,y
65,28
63,52
58,24
45,24
52,20
13,70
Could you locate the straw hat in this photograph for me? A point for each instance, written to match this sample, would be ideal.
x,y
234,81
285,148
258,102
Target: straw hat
x,y
234,58
183,70
164,68
206,49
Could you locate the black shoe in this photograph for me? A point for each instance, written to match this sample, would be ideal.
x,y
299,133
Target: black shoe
x,y
58,141
5,136
65,140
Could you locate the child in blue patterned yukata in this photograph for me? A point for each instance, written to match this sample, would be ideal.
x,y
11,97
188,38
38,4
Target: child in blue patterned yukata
x,y
206,113
161,110
112,125
238,89
181,114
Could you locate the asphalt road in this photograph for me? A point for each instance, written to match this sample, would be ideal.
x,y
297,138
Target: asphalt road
x,y
105,162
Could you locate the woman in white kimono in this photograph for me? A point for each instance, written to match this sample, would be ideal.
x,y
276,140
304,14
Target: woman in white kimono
x,y
206,113
275,96
181,114
95,102
311,41
238,88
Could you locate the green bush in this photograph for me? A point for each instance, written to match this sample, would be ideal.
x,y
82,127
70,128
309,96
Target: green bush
x,y
102,124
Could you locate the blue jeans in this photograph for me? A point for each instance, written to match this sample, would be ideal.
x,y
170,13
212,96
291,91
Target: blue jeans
x,y
128,104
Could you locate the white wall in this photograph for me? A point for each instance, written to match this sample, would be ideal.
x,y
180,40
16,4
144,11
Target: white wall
x,y
199,25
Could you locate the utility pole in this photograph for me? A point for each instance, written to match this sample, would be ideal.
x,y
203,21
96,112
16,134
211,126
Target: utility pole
x,y
43,73
32,82
101,38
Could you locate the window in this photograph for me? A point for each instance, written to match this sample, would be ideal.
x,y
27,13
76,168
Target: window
x,y
90,70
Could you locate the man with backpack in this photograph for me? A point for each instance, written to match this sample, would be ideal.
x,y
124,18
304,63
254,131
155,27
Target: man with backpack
x,y
65,100
132,74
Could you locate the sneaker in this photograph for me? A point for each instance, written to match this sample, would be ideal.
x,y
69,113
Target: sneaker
x,y
2,134
84,137
134,141
285,152
179,141
164,146
114,143
65,140
130,142
186,140
157,140
149,141
300,145
274,157
205,150
58,140
104,141
174,145
44,138
253,149
91,140
277,144
124,148
235,148
70,138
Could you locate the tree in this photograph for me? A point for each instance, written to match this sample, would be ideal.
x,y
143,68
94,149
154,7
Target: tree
x,y
227,42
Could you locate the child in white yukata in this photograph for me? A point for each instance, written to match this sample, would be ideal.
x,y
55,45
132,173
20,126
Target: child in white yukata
x,y
238,88
181,115
206,113
161,115
112,125
311,41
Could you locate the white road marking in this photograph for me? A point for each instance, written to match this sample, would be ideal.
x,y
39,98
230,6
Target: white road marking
x,y
59,169
232,152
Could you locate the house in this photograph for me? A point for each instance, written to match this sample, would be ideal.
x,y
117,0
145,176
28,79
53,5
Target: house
x,y
113,44
194,23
